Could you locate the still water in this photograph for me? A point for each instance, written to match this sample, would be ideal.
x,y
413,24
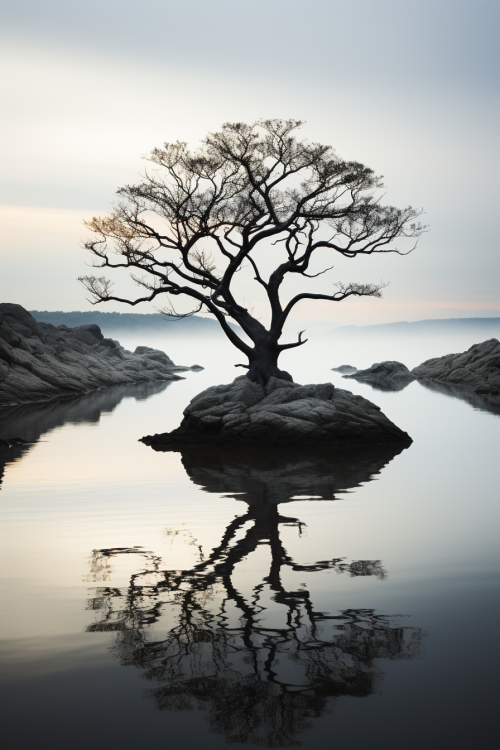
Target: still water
x,y
256,598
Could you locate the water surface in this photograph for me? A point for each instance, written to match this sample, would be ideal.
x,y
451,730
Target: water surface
x,y
252,597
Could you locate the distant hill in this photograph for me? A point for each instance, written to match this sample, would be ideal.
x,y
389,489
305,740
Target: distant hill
x,y
157,323
115,321
441,325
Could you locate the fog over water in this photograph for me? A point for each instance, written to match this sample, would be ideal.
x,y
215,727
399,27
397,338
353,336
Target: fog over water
x,y
327,346
259,598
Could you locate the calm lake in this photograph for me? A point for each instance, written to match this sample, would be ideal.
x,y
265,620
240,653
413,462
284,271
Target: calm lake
x,y
315,598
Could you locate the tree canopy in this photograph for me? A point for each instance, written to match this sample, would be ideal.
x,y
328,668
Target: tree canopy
x,y
197,218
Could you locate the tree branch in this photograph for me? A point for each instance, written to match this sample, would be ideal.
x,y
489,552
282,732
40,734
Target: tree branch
x,y
248,186
299,342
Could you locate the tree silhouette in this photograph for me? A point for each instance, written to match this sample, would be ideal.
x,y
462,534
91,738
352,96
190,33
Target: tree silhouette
x,y
198,218
260,682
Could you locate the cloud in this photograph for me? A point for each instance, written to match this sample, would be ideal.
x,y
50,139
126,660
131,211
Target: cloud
x,y
407,88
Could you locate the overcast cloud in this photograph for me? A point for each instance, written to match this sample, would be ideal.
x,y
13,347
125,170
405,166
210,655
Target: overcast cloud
x,y
409,88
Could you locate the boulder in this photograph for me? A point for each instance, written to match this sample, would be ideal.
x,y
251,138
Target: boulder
x,y
39,362
386,376
155,355
280,413
478,368
344,369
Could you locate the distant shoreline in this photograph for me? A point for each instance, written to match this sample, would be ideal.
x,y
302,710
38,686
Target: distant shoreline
x,y
198,324
128,321
433,322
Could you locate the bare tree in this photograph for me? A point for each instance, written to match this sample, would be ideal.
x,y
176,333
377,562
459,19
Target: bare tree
x,y
198,218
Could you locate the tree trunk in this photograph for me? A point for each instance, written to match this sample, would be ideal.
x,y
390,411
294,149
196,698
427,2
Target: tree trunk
x,y
263,362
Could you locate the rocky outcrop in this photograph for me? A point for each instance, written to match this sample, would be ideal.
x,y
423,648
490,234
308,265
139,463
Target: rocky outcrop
x,y
344,369
386,376
280,413
478,368
39,362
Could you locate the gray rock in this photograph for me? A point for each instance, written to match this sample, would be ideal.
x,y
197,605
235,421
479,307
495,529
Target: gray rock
x,y
154,354
478,368
344,369
107,343
386,376
281,413
90,334
39,362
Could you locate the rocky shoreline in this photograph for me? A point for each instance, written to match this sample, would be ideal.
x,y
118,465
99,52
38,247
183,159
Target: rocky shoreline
x,y
477,370
39,362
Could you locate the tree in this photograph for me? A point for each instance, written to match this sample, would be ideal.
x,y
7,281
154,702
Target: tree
x,y
198,218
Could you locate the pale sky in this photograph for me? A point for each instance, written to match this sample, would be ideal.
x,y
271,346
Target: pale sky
x,y
409,88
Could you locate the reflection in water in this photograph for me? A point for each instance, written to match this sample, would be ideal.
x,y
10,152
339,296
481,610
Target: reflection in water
x,y
265,663
388,387
482,401
278,475
31,421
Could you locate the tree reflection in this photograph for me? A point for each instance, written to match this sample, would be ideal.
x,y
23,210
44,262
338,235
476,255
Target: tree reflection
x,y
263,664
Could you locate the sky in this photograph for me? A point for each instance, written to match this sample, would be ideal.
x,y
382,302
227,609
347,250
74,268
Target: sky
x,y
408,88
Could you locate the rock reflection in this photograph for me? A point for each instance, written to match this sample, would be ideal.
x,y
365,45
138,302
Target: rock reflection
x,y
31,421
278,475
389,388
264,664
482,401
